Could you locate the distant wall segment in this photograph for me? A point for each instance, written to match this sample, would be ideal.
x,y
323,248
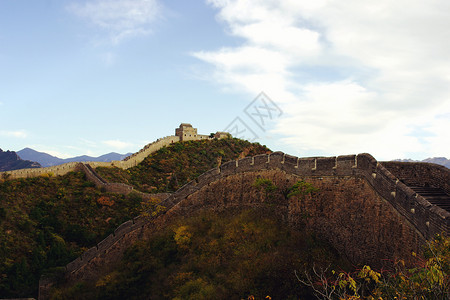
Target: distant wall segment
x,y
184,133
128,162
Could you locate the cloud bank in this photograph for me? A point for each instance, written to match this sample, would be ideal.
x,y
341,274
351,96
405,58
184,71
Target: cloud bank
x,y
351,76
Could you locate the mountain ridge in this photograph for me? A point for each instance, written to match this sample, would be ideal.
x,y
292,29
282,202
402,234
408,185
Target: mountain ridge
x,y
443,161
47,160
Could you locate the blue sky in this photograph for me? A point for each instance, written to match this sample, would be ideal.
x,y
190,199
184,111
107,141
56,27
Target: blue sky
x,y
92,77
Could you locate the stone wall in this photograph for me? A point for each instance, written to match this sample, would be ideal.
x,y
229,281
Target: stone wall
x,y
421,174
137,157
113,187
353,186
346,211
54,170
128,162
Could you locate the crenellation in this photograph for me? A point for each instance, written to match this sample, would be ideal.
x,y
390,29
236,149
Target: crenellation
x,y
292,160
261,161
105,243
276,159
290,163
325,166
228,168
186,189
207,177
345,165
245,164
89,254
366,161
74,265
306,165
124,227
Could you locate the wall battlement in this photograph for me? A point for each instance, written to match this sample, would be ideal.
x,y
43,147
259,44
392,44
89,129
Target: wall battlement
x,y
426,219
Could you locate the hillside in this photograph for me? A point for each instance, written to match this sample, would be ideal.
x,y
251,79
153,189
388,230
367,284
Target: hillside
x,y
45,222
171,167
9,160
230,254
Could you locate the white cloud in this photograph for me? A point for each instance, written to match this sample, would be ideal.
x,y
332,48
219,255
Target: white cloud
x,y
117,144
14,133
351,76
120,18
57,153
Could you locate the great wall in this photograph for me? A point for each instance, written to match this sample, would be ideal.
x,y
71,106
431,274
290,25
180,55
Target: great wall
x,y
366,209
184,133
362,208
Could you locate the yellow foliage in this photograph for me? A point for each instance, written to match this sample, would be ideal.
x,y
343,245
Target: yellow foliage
x,y
183,237
107,279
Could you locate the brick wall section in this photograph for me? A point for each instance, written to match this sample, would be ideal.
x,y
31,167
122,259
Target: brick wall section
x,y
346,211
118,188
401,218
421,174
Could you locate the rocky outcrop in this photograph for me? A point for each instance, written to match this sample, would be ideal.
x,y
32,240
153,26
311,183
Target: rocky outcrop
x,y
9,160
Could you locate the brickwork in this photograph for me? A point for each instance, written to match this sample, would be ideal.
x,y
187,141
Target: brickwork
x,y
421,174
346,211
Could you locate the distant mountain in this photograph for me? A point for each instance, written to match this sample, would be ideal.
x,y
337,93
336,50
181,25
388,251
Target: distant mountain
x,y
439,160
435,160
9,160
47,160
105,157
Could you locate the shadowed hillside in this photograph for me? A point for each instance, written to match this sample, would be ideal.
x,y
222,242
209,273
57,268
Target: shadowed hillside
x,y
214,255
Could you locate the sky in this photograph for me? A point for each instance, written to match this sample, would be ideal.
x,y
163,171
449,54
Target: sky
x,y
309,78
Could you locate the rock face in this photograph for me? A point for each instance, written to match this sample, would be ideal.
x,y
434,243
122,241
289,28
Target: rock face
x,y
9,160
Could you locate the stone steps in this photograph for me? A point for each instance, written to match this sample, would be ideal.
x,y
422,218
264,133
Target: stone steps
x,y
433,195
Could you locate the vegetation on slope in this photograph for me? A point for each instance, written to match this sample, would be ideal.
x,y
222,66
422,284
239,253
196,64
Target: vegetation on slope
x,y
171,167
46,222
427,278
228,255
